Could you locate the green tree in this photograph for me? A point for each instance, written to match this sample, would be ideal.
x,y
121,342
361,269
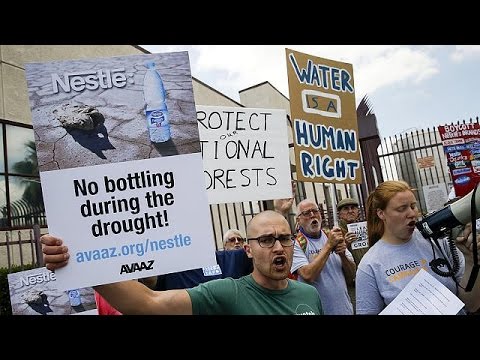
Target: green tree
x,y
29,166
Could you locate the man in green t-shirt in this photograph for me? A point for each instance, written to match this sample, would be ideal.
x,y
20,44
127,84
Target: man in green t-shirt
x,y
267,290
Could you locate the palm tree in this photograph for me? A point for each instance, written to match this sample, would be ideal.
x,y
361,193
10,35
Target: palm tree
x,y
29,166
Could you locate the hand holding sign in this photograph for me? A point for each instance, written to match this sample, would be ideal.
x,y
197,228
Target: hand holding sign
x,y
360,231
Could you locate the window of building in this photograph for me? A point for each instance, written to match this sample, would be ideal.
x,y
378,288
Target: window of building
x,y
21,202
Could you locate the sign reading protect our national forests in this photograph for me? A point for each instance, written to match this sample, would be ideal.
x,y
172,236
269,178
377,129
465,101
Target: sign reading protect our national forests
x,y
245,153
325,130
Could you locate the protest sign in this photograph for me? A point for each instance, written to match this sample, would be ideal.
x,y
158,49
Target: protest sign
x,y
245,153
35,292
461,144
325,131
120,166
360,230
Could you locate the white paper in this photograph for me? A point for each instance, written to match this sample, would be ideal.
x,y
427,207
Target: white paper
x,y
360,229
435,196
424,295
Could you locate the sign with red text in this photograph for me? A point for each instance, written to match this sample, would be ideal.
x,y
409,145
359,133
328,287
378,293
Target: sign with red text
x,y
120,166
245,153
325,130
461,144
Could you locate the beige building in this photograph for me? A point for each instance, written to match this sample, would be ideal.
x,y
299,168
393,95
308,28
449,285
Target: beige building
x,y
17,217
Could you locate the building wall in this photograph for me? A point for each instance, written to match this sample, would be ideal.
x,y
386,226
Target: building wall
x,y
264,95
205,95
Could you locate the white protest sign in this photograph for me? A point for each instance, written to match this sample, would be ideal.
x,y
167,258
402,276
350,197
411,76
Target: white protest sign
x,y
435,196
360,229
131,220
245,153
119,156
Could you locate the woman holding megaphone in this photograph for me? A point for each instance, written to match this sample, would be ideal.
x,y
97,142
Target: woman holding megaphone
x,y
398,251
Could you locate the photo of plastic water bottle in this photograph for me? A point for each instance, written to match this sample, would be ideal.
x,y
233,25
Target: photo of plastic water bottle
x,y
156,106
74,296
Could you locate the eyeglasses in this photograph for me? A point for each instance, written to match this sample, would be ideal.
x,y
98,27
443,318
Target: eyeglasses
x,y
267,241
235,239
308,212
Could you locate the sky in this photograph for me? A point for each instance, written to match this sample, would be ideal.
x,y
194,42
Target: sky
x,y
409,87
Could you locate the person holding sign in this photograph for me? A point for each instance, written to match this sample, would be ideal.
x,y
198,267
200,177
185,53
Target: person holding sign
x,y
323,261
398,251
266,291
349,213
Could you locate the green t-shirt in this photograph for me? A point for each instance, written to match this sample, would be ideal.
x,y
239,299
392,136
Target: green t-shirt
x,y
245,297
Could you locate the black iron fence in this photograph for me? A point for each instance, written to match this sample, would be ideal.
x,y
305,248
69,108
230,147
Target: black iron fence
x,y
417,157
21,247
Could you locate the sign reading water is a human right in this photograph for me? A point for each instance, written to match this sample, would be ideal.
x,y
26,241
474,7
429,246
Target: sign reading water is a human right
x,y
126,206
245,153
325,130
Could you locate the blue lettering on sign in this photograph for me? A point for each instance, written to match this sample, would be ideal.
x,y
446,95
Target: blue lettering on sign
x,y
461,171
456,148
462,180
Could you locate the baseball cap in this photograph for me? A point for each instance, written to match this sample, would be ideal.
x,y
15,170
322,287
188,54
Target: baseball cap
x,y
346,201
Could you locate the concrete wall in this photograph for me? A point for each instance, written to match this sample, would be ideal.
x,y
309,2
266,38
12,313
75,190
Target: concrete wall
x,y
264,95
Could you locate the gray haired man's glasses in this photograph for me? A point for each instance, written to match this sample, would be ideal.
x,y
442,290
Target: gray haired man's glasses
x,y
267,241
310,212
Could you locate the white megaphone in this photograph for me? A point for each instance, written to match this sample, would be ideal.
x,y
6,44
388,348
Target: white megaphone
x,y
437,223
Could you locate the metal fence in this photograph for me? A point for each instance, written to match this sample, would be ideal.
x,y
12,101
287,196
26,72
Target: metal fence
x,y
21,247
417,157
237,215
401,158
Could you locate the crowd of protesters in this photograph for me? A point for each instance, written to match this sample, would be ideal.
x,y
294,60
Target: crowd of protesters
x,y
283,268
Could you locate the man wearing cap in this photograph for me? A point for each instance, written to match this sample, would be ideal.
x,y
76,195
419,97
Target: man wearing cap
x,y
349,213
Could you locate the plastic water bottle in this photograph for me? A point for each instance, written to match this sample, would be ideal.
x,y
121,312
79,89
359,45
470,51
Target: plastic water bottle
x,y
156,107
74,296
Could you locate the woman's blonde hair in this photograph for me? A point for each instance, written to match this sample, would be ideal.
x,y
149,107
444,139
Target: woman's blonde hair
x,y
378,199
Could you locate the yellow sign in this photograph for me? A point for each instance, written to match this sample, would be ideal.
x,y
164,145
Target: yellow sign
x,y
325,130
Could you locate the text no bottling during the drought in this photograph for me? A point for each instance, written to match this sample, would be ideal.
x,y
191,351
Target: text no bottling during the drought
x,y
132,181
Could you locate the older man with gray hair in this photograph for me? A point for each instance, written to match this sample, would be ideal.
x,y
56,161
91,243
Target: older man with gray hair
x,y
233,240
323,260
